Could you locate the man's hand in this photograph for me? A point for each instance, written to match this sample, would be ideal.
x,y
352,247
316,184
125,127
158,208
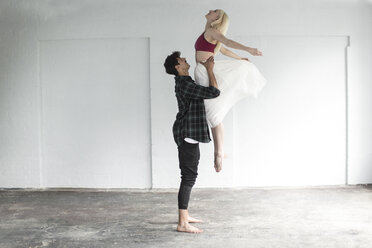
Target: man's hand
x,y
209,64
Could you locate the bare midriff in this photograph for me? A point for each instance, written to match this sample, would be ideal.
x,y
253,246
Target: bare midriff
x,y
202,56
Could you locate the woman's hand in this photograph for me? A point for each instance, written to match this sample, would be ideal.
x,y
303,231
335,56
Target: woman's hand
x,y
244,59
209,64
254,51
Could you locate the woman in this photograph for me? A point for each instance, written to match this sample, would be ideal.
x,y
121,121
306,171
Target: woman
x,y
236,79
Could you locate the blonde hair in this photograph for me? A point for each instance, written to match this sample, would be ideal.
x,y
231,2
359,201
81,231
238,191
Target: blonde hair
x,y
221,24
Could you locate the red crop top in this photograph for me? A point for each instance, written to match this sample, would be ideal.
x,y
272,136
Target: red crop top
x,y
202,44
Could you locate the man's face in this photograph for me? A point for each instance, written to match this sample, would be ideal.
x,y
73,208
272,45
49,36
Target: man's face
x,y
182,64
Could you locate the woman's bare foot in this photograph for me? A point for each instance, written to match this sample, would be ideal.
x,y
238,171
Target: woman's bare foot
x,y
193,220
218,161
188,228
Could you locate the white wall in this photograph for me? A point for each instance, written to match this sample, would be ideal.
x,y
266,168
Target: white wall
x,y
294,134
95,98
26,112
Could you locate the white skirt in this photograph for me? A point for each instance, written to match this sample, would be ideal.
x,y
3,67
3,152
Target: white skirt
x,y
236,79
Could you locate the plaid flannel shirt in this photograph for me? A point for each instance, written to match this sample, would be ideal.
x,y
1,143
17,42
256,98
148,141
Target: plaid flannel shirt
x,y
191,120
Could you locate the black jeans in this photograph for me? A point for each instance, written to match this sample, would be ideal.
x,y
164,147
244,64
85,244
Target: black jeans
x,y
188,155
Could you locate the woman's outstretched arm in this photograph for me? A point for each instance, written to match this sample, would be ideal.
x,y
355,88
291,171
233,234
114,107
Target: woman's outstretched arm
x,y
216,35
229,53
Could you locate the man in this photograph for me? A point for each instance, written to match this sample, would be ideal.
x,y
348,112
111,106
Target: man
x,y
189,129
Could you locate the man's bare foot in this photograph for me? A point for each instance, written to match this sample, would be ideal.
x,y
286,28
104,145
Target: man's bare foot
x,y
218,161
193,220
188,228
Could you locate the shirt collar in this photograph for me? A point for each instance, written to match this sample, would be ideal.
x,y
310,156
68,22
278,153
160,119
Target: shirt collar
x,y
182,77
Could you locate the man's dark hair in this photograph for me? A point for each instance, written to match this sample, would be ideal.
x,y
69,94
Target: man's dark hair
x,y
170,63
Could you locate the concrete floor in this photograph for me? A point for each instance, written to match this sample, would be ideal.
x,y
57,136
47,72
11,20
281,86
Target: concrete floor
x,y
251,217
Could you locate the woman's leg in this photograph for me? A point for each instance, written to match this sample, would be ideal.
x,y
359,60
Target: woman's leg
x,y
217,133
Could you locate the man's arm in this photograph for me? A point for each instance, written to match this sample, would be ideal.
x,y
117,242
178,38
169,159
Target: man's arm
x,y
212,78
194,91
209,64
191,90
